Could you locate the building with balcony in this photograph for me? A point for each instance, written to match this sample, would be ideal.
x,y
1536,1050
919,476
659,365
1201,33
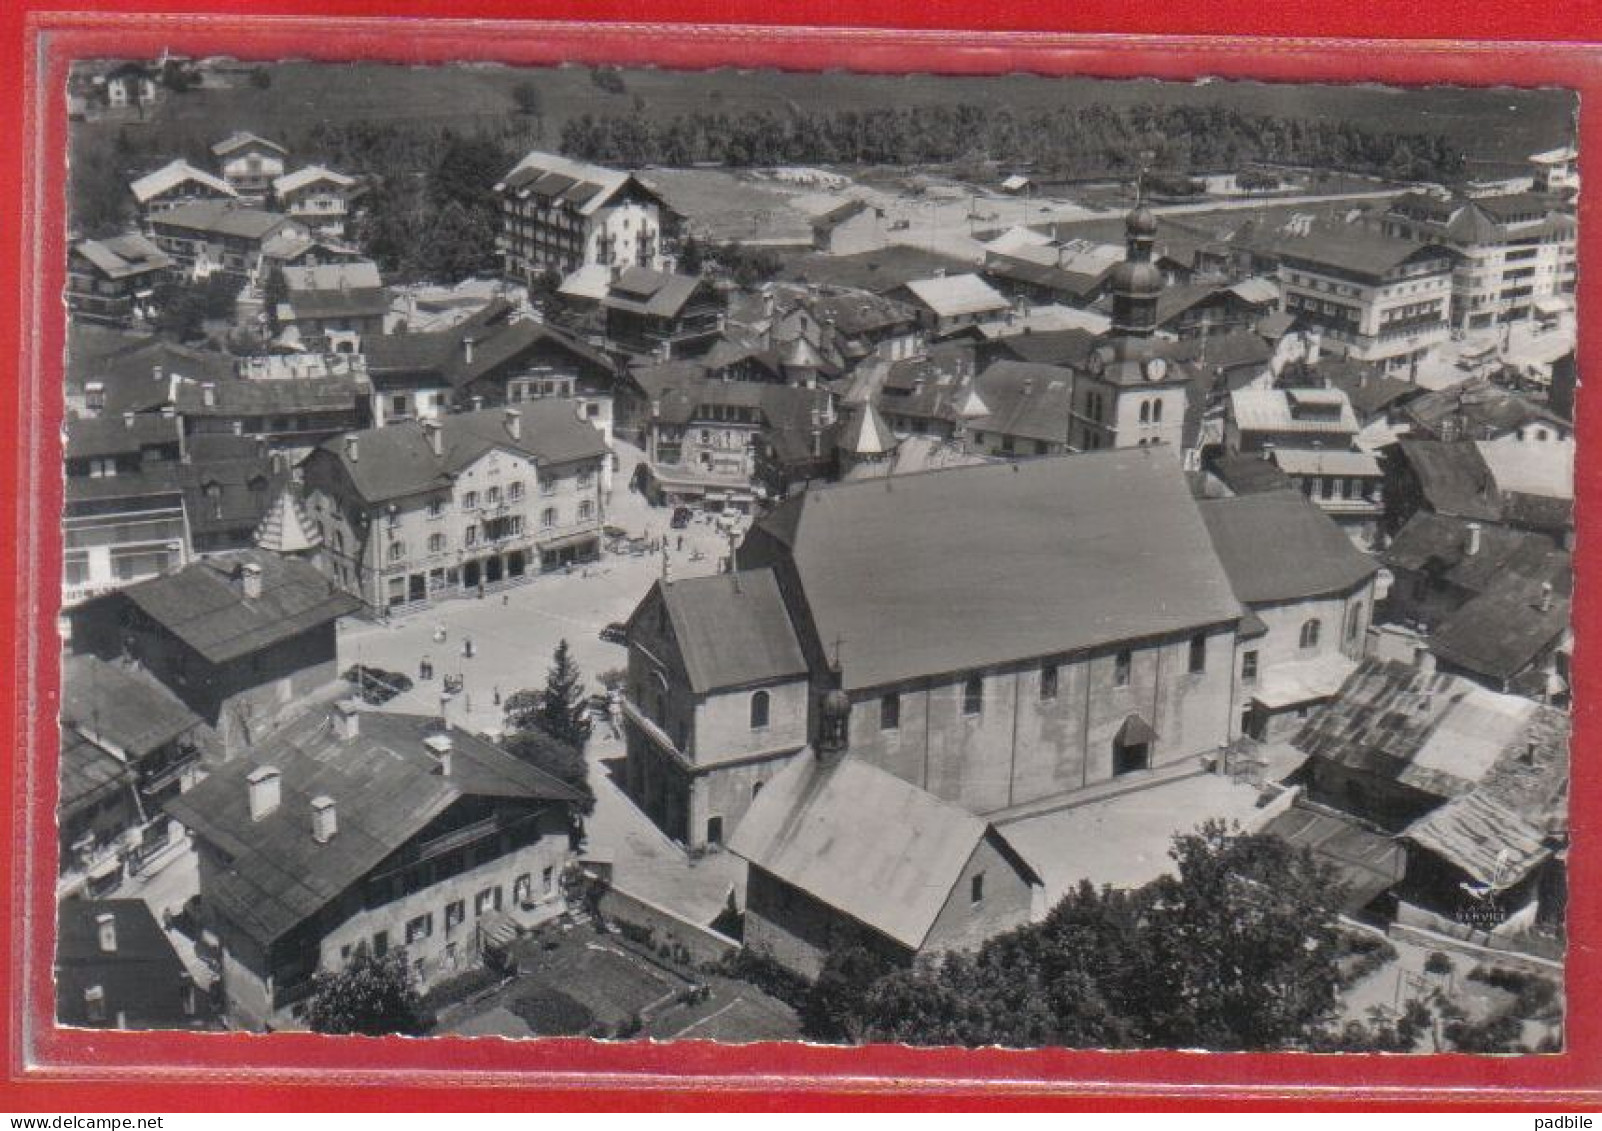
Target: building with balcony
x,y
113,281
249,164
457,506
128,745
1372,297
317,197
386,832
662,317
1349,486
206,238
1515,251
122,512
175,184
334,308
492,358
562,215
1556,170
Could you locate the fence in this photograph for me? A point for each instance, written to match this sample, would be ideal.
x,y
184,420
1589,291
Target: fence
x,y
703,943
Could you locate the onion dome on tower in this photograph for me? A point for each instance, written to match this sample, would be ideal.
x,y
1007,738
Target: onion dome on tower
x,y
1136,282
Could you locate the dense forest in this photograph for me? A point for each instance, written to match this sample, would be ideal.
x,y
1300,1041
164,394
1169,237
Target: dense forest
x,y
1069,141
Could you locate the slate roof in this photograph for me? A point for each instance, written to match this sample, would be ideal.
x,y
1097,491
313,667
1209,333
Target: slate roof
x,y
838,215
584,186
1481,837
173,174
204,606
499,338
242,396
733,630
121,706
227,486
864,842
641,290
144,979
953,295
1032,402
1531,467
386,788
1500,634
1250,474
118,435
1022,268
1350,248
1438,544
1476,407
1042,561
88,773
1272,410
396,461
1370,393
1323,461
877,271
1368,862
221,218
1049,347
1443,735
1277,546
122,256
1453,478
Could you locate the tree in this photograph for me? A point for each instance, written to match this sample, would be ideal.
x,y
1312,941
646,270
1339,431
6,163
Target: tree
x,y
560,709
692,256
829,1012
526,95
372,996
1237,950
274,290
558,759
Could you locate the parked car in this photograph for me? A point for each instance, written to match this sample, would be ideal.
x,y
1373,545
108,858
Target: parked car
x,y
375,685
615,633
682,517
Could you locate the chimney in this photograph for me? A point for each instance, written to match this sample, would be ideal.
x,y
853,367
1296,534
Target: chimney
x,y
1546,597
439,745
156,374
436,441
106,929
1423,659
208,395
656,408
1473,539
467,350
325,819
264,792
347,719
478,404
514,423
250,581
351,450
127,420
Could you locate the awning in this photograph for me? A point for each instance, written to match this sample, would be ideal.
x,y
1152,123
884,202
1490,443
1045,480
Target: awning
x,y
1552,306
1136,731
588,537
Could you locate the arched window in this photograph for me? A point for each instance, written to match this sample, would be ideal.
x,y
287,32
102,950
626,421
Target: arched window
x,y
1310,631
973,696
1354,623
1157,412
1145,412
759,710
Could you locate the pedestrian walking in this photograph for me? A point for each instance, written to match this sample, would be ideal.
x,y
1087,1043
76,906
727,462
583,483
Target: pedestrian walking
x,y
467,647
681,542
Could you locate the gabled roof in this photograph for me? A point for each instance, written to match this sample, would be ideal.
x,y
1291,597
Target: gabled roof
x,y
204,605
1500,634
243,396
109,703
291,183
838,215
498,338
584,186
398,460
1049,347
1276,410
952,295
1453,478
122,256
867,434
119,435
1277,546
1351,248
733,630
242,140
1479,409
1031,402
1250,474
644,291
88,774
1531,467
336,290
864,842
1045,561
1439,544
221,218
1443,735
386,787
173,174
1324,461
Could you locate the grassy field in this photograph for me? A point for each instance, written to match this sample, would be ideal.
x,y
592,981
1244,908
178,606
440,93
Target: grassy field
x,y
1492,125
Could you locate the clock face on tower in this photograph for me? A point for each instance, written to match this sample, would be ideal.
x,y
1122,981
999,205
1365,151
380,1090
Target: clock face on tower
x,y
1095,363
1156,369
